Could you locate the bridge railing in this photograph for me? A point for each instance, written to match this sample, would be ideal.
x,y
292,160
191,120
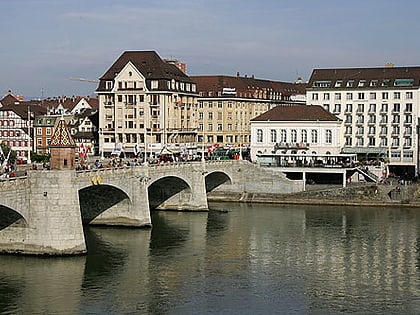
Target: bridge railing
x,y
155,166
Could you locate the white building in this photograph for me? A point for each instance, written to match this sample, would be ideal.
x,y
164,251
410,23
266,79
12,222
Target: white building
x,y
379,108
296,129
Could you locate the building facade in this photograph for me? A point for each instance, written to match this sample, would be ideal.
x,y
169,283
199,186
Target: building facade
x,y
145,103
226,104
295,129
379,108
16,124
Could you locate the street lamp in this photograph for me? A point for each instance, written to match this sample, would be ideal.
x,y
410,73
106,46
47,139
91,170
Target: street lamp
x,y
29,136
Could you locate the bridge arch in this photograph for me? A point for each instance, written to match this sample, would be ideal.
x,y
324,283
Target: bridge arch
x,y
96,199
9,217
216,178
166,187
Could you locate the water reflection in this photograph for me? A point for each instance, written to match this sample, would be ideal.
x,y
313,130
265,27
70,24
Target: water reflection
x,y
237,258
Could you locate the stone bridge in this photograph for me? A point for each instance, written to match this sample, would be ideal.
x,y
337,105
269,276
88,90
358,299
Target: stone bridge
x,y
44,212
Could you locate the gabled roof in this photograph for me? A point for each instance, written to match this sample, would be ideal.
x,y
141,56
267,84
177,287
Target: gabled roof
x,y
61,136
297,113
148,63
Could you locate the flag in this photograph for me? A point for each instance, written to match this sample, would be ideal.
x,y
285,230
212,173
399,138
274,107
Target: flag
x,y
6,160
82,151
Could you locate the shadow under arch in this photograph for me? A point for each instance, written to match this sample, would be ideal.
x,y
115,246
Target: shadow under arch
x,y
94,200
215,179
164,188
8,217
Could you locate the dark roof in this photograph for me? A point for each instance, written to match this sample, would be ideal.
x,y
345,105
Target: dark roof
x,y
148,63
297,113
382,77
245,86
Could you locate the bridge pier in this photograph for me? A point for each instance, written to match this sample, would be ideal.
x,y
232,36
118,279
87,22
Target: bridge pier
x,y
193,197
51,223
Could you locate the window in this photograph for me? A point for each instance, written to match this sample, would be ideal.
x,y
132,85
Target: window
x,y
210,116
337,96
409,95
349,141
348,119
397,95
328,136
283,136
219,127
372,96
408,107
337,108
293,136
315,96
372,108
396,107
39,131
210,104
349,108
360,108
219,104
361,96
384,95
350,83
210,127
349,96
273,134
259,135
48,131
229,126
304,136
326,96
384,107
154,84
327,107
395,119
371,141
384,130
314,136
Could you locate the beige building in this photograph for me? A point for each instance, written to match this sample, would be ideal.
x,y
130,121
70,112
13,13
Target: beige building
x,y
226,104
145,103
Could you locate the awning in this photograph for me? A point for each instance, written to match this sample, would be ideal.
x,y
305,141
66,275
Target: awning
x,y
364,150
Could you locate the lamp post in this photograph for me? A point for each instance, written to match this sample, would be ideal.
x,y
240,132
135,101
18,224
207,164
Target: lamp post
x,y
204,137
29,136
101,146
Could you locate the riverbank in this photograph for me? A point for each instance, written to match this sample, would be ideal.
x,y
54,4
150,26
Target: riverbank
x,y
353,195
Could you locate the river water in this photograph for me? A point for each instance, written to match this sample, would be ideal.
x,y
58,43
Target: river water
x,y
235,259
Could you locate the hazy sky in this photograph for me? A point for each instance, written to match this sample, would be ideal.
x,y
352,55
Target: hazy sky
x,y
45,42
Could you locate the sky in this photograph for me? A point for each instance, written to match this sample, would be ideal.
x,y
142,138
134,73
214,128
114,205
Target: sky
x,y
46,42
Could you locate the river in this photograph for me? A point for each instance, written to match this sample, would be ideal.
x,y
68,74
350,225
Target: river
x,y
234,259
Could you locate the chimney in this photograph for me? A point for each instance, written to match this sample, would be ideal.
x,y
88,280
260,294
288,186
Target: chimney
x,y
237,74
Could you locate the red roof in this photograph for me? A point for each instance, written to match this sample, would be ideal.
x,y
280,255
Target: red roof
x,y
297,113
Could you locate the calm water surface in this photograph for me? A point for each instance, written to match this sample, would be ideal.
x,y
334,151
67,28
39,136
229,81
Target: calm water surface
x,y
249,259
